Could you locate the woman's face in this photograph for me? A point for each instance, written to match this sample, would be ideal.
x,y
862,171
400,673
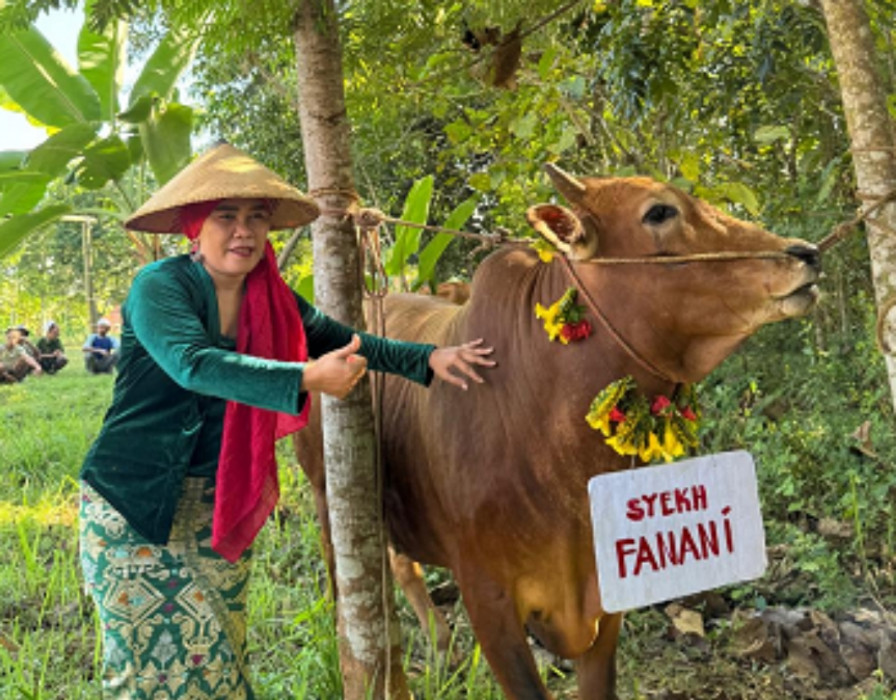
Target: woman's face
x,y
233,236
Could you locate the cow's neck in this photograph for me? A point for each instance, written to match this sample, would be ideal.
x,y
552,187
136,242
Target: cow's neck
x,y
588,365
625,331
645,328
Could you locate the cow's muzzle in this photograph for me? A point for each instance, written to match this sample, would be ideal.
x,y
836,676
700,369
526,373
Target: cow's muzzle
x,y
806,252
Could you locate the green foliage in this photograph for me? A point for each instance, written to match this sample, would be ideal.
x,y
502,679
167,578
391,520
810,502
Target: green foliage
x,y
37,80
89,145
407,238
797,397
102,58
14,230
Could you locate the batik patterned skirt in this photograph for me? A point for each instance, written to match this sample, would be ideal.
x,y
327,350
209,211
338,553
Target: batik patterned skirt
x,y
173,617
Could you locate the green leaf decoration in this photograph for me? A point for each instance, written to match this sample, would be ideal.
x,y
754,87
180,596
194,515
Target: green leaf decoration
x,y
101,60
54,155
15,229
103,161
433,250
37,78
407,238
165,66
166,140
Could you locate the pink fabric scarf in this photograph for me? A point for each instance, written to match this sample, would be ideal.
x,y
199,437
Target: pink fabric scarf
x,y
269,326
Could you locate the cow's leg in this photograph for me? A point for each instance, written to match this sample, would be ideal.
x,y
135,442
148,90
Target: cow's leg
x,y
502,637
409,576
596,668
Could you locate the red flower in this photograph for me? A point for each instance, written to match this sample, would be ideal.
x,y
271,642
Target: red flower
x,y
616,415
584,329
576,331
688,414
659,403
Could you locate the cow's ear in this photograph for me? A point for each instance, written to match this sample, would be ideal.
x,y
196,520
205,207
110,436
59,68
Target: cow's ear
x,y
563,230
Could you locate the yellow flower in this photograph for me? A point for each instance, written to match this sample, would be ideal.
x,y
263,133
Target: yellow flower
x,y
671,444
599,421
553,328
622,446
552,324
545,250
652,449
545,313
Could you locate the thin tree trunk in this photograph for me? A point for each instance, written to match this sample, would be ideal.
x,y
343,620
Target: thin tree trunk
x,y
367,642
873,150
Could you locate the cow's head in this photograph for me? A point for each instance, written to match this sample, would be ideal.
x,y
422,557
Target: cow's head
x,y
697,309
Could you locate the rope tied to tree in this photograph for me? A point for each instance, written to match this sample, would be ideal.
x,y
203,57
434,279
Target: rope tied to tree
x,y
842,230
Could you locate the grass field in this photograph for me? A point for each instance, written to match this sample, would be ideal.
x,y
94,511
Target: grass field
x,y
48,641
48,645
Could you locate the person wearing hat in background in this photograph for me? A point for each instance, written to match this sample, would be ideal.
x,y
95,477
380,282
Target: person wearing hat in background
x,y
215,366
52,354
101,349
26,344
15,361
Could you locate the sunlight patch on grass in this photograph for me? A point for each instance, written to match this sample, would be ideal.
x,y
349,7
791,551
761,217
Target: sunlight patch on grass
x,y
44,514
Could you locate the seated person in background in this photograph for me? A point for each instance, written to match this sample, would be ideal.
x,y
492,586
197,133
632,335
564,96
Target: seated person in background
x,y
25,341
52,354
15,362
100,349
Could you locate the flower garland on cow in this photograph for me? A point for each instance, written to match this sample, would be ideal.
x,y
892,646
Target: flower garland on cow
x,y
563,320
662,428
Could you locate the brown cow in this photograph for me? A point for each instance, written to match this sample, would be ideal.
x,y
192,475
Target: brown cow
x,y
491,483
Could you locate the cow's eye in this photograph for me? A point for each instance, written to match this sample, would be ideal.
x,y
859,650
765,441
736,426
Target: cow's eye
x,y
659,213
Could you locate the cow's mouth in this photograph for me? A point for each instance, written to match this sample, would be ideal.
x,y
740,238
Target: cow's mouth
x,y
800,300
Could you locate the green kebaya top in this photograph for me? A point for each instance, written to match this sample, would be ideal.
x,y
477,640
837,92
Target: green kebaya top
x,y
175,374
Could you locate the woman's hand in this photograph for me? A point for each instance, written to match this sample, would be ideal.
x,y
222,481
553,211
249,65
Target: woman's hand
x,y
337,372
460,358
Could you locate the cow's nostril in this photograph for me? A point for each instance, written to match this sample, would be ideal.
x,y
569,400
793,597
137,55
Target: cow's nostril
x,y
806,252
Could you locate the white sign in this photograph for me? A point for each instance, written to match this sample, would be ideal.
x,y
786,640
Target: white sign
x,y
675,529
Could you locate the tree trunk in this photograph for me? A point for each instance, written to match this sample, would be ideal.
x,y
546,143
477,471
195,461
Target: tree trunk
x,y
873,151
368,632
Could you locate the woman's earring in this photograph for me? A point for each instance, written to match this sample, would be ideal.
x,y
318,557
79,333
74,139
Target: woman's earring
x,y
195,253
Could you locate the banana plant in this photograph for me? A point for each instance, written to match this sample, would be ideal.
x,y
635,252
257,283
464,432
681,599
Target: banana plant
x,y
408,238
93,140
399,253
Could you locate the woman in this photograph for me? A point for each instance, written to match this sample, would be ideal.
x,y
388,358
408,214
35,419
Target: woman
x,y
214,367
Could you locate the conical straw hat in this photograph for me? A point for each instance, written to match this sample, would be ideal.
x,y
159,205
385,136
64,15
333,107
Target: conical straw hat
x,y
223,172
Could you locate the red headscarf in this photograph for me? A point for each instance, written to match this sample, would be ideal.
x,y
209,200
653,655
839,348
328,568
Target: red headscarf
x,y
269,326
